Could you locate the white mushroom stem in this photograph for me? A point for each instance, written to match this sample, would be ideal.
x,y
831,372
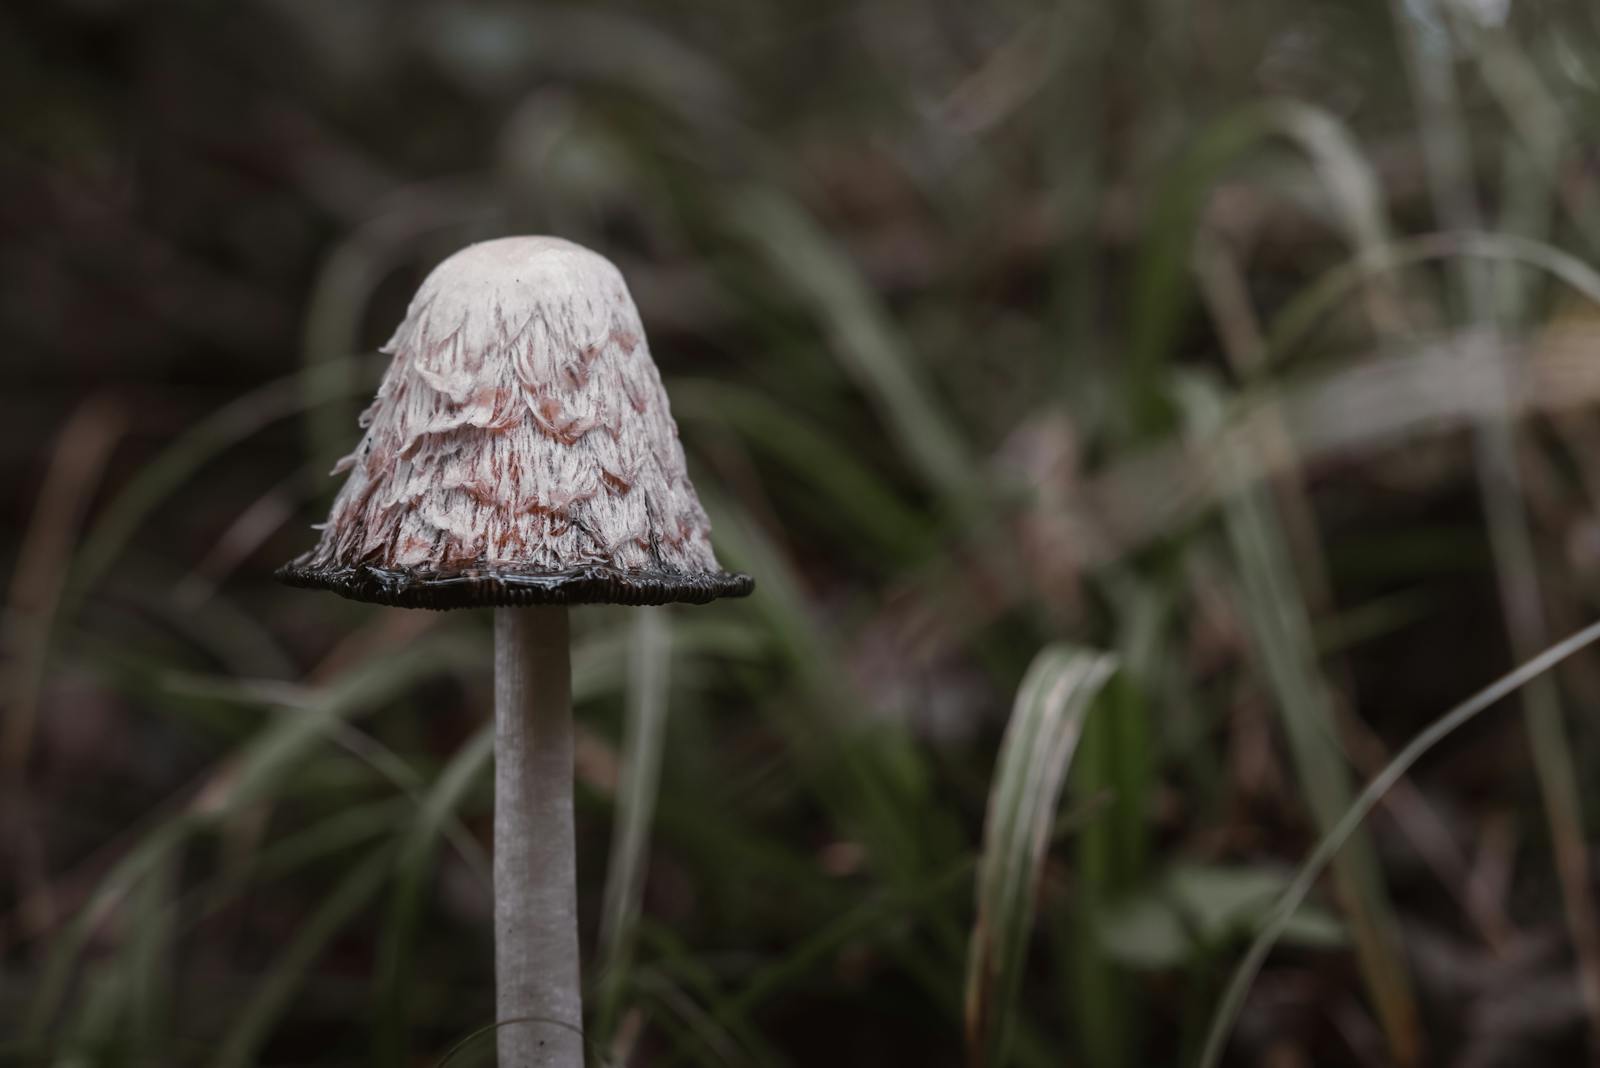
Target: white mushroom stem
x,y
539,1000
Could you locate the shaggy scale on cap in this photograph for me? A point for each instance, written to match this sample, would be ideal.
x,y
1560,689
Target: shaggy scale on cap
x,y
520,450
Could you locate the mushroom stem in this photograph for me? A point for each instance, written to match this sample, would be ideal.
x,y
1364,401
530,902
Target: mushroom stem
x,y
539,1000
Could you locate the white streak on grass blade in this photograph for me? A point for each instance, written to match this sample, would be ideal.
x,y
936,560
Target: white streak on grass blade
x,y
1227,1012
1046,721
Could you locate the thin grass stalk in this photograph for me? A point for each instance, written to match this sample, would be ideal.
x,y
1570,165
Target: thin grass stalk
x,y
1238,989
435,817
250,1030
251,773
81,451
649,664
1447,153
1114,780
1280,628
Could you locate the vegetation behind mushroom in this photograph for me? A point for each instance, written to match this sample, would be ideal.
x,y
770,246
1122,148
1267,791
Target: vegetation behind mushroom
x,y
939,291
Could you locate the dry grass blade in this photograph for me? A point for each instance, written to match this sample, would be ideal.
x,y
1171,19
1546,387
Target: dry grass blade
x,y
82,449
1378,403
1046,722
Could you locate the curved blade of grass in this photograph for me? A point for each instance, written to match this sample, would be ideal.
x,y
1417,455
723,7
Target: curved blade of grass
x,y
390,765
1294,324
1538,118
642,742
224,428
339,833
1447,152
391,1021
1281,637
1056,695
1357,195
82,447
860,921
273,995
872,782
873,350
1160,291
695,1036
695,985
862,501
1233,998
274,754
140,861
151,961
852,773
1161,288
437,818
91,1038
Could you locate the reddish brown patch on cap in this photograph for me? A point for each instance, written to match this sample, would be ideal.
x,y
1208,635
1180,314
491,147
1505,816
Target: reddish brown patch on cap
x,y
549,449
481,492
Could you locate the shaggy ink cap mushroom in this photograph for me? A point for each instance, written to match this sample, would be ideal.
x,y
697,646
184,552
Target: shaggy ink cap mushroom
x,y
520,450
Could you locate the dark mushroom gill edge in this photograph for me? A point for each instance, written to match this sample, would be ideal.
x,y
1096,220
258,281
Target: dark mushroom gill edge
x,y
501,586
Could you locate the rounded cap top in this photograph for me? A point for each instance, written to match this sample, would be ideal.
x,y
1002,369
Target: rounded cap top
x,y
520,450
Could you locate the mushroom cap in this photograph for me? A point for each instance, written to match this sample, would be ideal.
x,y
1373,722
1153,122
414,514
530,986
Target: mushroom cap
x,y
520,450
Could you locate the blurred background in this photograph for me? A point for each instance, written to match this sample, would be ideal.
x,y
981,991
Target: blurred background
x,y
1141,420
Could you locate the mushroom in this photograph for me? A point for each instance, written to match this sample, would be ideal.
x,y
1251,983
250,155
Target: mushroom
x,y
520,455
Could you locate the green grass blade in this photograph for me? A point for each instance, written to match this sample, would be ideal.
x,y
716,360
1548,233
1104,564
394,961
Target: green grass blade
x,y
158,480
1113,763
1046,722
278,749
1480,295
275,753
1335,839
863,504
866,339
1281,636
152,961
1162,290
51,988
642,741
413,870
1300,316
254,1024
854,773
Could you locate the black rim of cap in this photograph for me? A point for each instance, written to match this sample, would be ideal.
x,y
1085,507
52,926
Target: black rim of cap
x,y
496,585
